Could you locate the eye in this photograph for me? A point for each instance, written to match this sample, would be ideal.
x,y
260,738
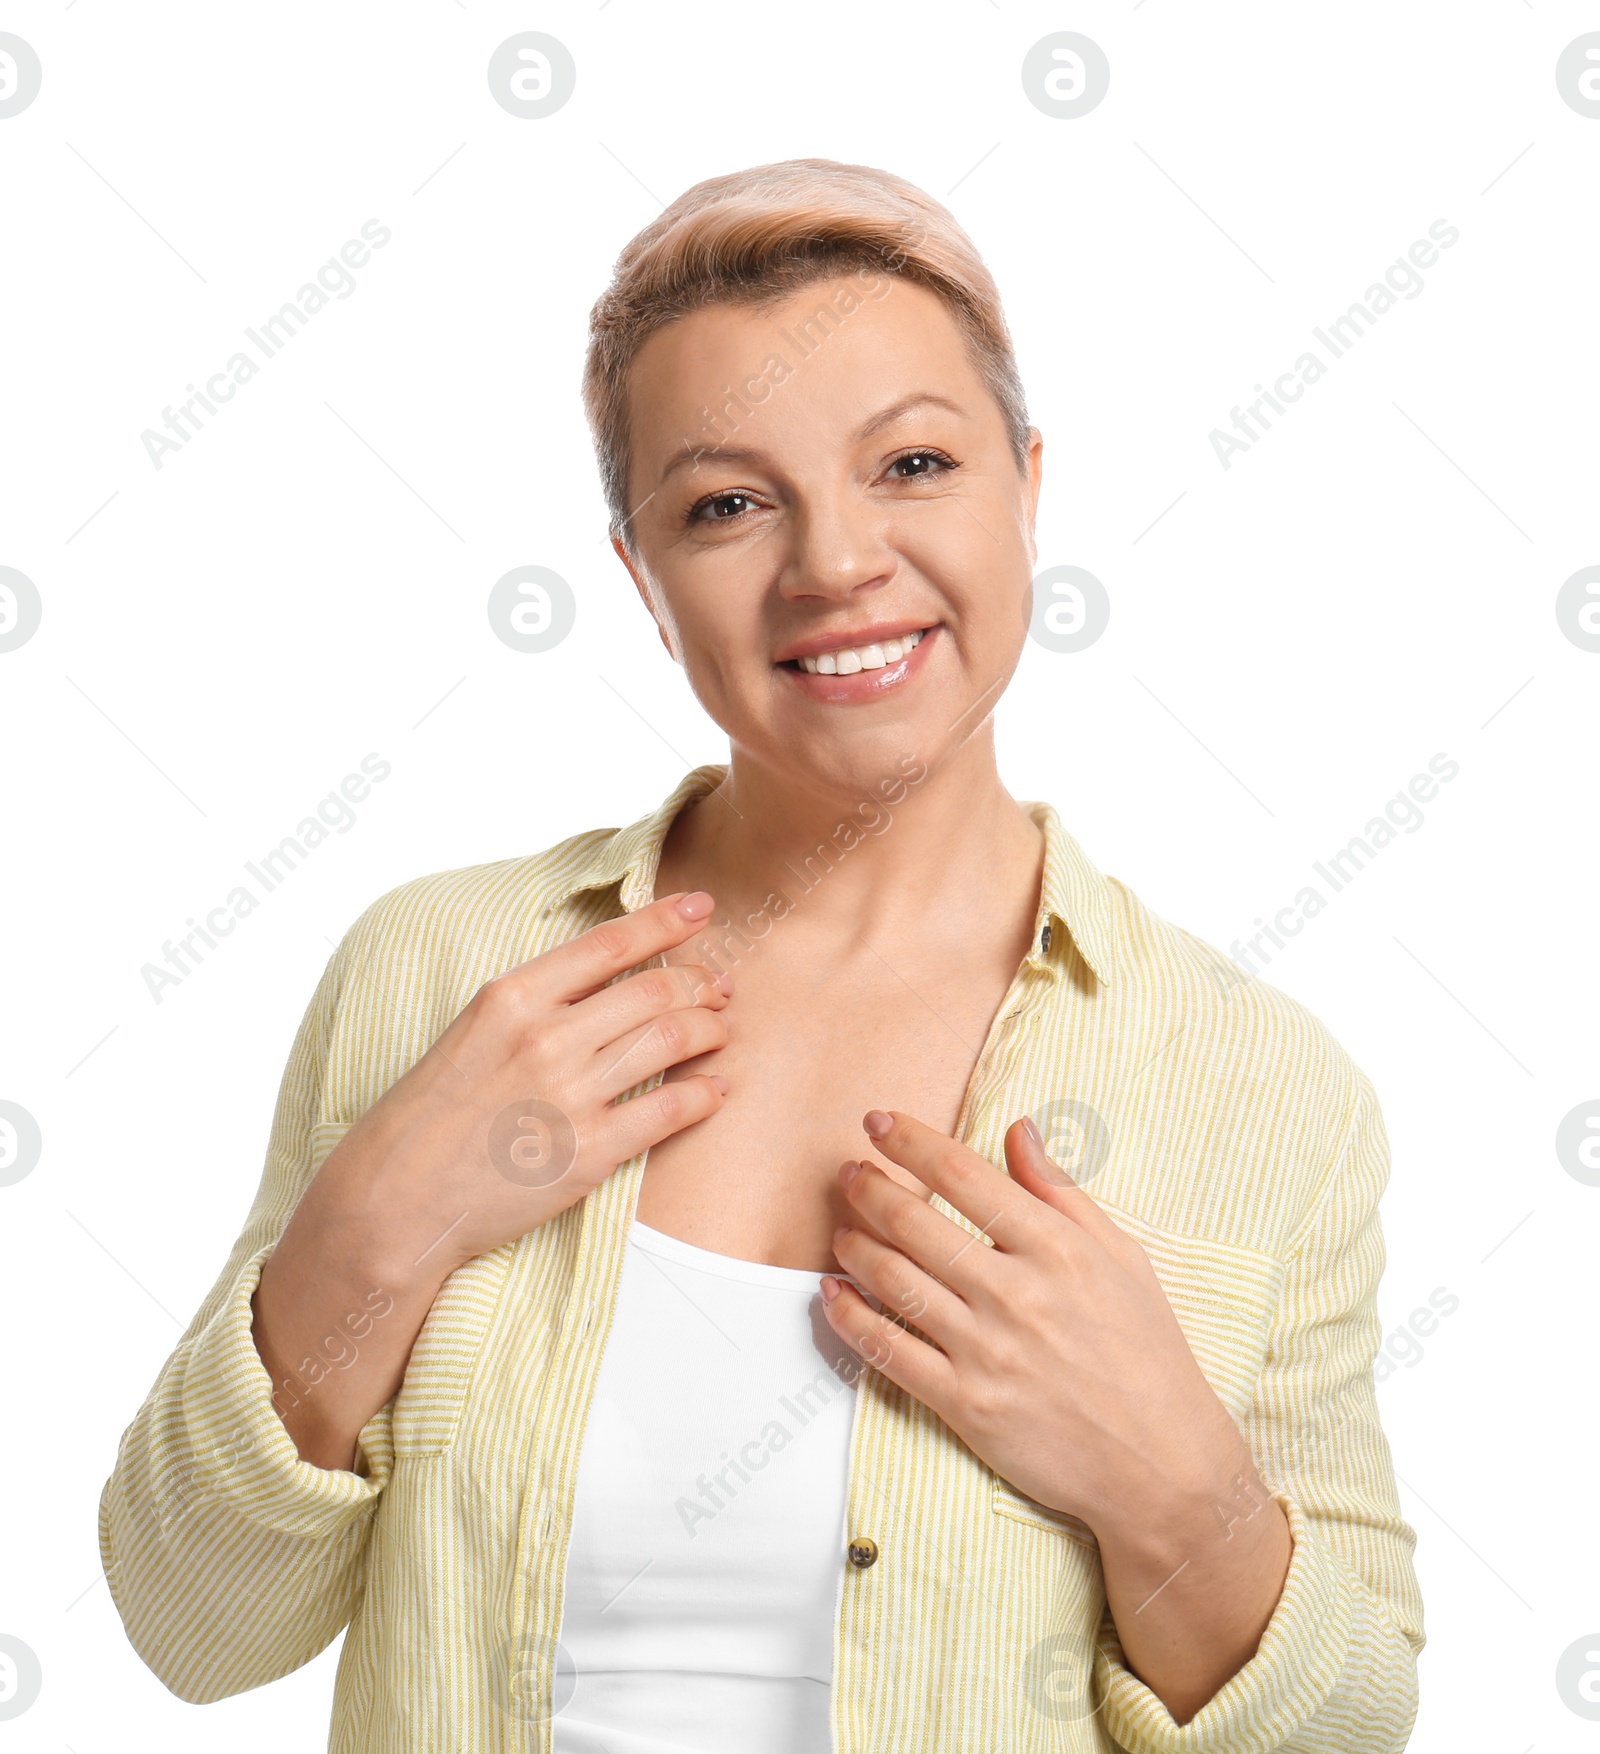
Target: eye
x,y
923,464
722,507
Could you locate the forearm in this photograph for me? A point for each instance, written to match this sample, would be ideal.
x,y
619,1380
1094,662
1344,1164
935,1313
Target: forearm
x,y
1193,1574
336,1313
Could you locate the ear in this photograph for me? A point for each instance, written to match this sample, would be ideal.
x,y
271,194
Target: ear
x,y
1034,476
639,585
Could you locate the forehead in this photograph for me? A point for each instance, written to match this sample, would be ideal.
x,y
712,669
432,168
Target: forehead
x,y
831,350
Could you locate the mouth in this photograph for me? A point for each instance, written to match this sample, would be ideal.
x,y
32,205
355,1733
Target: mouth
x,y
872,655
864,667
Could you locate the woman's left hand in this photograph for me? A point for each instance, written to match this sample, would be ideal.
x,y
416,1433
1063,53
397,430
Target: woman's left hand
x,y
1057,1358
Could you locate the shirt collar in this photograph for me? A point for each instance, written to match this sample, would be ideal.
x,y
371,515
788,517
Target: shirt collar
x,y
1074,898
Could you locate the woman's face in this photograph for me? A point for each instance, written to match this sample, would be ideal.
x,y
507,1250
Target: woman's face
x,y
827,479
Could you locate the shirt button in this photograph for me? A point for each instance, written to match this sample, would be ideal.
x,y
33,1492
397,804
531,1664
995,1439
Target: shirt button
x,y
1044,938
863,1552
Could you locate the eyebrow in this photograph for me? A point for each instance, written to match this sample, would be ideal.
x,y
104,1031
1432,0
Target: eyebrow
x,y
692,453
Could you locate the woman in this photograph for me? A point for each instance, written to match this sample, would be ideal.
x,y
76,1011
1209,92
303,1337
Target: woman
x,y
560,1358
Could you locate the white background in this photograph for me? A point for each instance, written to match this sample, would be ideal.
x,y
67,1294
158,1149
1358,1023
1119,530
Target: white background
x,y
1373,583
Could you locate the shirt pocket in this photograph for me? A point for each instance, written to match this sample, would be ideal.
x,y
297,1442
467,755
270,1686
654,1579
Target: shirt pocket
x,y
1008,1502
1225,1297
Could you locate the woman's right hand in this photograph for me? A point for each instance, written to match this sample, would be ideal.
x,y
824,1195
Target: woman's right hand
x,y
511,1117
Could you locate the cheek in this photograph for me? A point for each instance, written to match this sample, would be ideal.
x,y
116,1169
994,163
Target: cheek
x,y
985,578
720,640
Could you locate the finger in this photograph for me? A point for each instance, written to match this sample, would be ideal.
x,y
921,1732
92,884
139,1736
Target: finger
x,y
617,1010
900,1286
666,1041
912,1364
586,963
909,1225
1033,1168
628,1128
970,1183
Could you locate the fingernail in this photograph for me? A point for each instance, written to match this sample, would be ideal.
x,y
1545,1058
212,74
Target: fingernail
x,y
725,985
1032,1131
720,1082
696,905
848,1172
877,1123
830,1288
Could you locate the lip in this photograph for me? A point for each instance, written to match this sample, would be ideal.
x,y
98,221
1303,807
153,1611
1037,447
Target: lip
x,y
865,685
836,641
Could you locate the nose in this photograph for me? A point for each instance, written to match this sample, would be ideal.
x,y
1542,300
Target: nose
x,y
840,550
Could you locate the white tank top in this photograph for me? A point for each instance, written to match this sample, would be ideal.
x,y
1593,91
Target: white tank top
x,y
708,1538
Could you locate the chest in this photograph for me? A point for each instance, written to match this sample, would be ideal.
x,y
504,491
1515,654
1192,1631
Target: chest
x,y
809,1053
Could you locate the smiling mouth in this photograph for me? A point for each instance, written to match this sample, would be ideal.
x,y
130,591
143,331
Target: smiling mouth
x,y
847,660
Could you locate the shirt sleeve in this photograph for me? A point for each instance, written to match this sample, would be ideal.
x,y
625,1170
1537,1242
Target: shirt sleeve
x,y
1335,1671
231,1560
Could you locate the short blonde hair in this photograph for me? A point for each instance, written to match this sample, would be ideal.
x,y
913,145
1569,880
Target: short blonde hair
x,y
754,236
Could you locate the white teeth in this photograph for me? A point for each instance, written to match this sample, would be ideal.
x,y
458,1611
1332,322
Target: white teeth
x,y
849,659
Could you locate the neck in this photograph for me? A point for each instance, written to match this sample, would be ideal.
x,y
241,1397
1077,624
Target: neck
x,y
949,847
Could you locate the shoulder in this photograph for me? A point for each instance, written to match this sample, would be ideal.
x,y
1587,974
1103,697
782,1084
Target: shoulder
x,y
1260,1098
477,903
415,956
1219,996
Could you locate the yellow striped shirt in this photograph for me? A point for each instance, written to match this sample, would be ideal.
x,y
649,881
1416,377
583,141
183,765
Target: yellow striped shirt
x,y
1213,1117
